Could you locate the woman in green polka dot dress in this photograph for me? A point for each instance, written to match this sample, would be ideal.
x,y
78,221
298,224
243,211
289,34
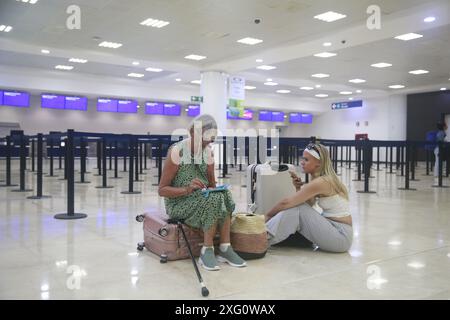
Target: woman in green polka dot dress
x,y
189,168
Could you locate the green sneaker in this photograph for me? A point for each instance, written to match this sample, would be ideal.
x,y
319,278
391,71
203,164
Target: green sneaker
x,y
208,261
231,258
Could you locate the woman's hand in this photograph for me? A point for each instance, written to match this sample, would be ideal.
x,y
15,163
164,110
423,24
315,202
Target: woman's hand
x,y
196,184
296,181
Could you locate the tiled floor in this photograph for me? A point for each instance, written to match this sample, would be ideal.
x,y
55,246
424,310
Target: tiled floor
x,y
401,248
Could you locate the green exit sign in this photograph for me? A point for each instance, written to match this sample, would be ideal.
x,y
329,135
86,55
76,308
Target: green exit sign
x,y
196,99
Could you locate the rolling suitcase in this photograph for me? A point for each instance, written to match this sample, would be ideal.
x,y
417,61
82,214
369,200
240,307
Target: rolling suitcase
x,y
266,185
166,240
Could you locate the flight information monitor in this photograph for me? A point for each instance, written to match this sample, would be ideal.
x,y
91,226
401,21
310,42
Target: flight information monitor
x,y
172,109
154,108
127,106
106,105
16,99
52,101
76,103
193,110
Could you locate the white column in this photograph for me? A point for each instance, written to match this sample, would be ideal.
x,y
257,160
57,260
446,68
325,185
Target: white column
x,y
215,97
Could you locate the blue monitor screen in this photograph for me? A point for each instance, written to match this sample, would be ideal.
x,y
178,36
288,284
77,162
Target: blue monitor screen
x,y
193,110
1,98
295,117
265,116
154,108
127,106
52,101
171,109
16,99
307,118
106,105
277,116
76,103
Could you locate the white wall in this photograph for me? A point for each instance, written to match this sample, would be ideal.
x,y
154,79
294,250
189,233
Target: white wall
x,y
386,120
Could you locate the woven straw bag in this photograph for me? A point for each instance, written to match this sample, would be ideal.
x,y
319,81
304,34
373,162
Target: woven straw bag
x,y
249,235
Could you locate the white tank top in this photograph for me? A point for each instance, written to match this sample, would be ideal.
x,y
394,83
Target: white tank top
x,y
334,207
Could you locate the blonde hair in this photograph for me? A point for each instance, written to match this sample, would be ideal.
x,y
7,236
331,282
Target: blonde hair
x,y
327,172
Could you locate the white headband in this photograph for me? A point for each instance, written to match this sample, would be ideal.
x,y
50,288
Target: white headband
x,y
314,153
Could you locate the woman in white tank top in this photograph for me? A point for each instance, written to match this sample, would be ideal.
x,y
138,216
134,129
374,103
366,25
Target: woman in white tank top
x,y
330,230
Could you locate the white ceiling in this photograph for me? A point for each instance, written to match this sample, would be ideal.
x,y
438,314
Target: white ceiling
x,y
211,27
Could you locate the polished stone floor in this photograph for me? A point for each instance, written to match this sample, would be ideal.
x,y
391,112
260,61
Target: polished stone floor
x,y
401,247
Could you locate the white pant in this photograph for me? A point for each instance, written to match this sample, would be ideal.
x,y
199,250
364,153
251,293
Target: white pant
x,y
328,235
436,163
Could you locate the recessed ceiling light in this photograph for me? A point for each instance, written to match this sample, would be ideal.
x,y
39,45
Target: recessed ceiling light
x,y
320,75
135,75
76,60
250,41
153,69
177,79
196,81
351,98
394,243
321,95
327,44
259,60
443,89
186,110
264,67
429,19
397,86
138,106
269,79
318,86
419,71
270,83
409,36
195,57
249,88
330,16
381,65
307,88
357,81
283,91
154,23
416,265
62,67
136,63
112,45
345,92
5,28
45,51
358,91
325,55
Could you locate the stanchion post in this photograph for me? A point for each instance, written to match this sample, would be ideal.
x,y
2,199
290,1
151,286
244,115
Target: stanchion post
x,y
130,168
22,166
8,163
40,146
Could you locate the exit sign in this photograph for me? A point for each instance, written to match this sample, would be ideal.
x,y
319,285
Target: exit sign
x,y
196,99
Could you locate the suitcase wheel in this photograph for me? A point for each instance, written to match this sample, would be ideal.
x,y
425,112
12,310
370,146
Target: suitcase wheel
x,y
163,258
140,246
140,218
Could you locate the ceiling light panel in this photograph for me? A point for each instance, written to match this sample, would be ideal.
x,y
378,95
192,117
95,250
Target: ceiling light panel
x,y
397,86
267,68
135,75
195,57
357,81
330,16
249,88
307,88
5,28
111,45
250,41
76,60
416,72
325,55
153,69
381,65
196,81
320,75
321,95
28,1
63,67
284,91
270,83
409,36
155,23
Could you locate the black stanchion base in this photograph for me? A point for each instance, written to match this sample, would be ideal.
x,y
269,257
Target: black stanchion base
x,y
98,175
434,186
73,216
155,184
81,182
116,178
414,180
87,172
369,192
391,172
130,192
155,176
18,190
357,180
8,185
409,189
138,180
51,176
244,186
123,171
39,197
142,173
104,187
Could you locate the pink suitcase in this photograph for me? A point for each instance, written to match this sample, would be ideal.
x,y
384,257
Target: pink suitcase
x,y
166,240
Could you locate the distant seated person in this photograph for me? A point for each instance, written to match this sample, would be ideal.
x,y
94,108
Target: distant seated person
x,y
189,168
332,230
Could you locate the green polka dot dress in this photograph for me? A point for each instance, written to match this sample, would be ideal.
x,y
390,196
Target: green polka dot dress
x,y
195,209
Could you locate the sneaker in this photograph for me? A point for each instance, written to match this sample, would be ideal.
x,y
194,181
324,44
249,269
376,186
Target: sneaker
x,y
231,258
208,261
